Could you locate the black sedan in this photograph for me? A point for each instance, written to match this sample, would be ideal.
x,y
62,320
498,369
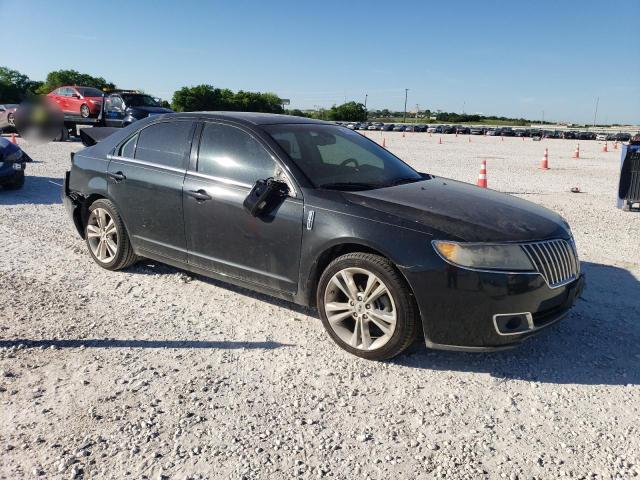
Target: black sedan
x,y
319,215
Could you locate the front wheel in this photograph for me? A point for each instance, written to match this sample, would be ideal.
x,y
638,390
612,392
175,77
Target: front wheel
x,y
366,306
107,238
84,111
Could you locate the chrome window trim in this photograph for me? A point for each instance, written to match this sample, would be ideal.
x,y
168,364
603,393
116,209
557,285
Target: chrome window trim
x,y
145,163
508,272
228,181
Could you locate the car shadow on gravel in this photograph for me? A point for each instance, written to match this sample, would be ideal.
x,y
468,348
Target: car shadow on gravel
x,y
36,191
113,343
149,267
597,344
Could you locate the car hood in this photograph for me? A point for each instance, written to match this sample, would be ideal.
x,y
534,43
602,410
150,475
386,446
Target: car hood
x,y
463,211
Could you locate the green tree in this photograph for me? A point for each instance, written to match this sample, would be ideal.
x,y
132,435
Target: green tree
x,y
208,97
350,111
296,112
15,86
58,78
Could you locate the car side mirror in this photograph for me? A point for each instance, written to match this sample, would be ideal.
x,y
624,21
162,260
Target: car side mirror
x,y
264,196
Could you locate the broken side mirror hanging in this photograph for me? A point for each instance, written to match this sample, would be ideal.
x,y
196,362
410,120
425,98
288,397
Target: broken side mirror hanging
x,y
265,196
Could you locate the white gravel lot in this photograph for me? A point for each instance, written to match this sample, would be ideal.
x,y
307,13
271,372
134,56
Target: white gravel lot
x,y
157,373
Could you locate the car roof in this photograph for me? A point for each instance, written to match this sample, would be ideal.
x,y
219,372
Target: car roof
x,y
252,118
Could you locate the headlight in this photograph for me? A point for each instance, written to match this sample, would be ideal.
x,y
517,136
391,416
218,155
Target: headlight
x,y
491,257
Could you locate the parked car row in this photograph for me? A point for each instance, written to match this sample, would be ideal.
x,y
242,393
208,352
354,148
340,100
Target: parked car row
x,y
489,131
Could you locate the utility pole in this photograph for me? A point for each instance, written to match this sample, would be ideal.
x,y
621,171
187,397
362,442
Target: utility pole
x,y
415,120
543,117
366,95
463,104
404,118
595,114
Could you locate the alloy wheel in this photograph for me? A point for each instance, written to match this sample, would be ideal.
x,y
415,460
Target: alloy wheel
x,y
360,308
84,111
102,235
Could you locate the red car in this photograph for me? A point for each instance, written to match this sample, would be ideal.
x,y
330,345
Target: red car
x,y
83,101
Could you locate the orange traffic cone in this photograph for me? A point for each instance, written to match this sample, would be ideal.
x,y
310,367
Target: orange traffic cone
x,y
440,141
544,163
482,176
605,148
13,138
576,154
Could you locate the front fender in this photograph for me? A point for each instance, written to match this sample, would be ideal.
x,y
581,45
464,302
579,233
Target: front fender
x,y
409,250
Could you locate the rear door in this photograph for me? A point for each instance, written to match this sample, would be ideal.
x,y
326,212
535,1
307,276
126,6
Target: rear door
x,y
145,182
221,235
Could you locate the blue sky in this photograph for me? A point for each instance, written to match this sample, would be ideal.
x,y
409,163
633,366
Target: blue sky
x,y
507,58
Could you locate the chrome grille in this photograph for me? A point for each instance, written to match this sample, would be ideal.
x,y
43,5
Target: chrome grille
x,y
556,260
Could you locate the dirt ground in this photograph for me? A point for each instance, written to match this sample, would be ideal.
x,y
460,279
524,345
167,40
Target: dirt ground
x,y
157,373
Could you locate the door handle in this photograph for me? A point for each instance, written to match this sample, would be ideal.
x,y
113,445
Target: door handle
x,y
199,195
117,176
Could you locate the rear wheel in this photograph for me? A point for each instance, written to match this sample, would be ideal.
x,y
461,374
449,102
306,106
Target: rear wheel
x,y
366,306
84,111
107,237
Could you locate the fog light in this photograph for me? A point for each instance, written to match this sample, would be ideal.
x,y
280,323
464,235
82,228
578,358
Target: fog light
x,y
513,323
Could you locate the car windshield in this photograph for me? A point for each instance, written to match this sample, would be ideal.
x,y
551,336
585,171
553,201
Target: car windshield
x,y
338,158
89,92
140,101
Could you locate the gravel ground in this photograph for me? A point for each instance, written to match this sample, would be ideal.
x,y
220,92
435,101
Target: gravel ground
x,y
157,373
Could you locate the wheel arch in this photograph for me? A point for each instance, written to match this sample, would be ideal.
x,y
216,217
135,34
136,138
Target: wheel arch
x,y
336,250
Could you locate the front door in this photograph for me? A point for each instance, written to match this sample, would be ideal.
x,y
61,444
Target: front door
x,y
221,235
145,182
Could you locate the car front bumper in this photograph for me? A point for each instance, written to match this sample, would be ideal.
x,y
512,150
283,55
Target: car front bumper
x,y
459,306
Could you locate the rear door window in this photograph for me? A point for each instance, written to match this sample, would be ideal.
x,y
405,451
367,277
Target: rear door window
x,y
165,143
128,148
231,153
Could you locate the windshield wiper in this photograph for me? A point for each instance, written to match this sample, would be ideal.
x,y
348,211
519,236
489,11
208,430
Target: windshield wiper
x,y
400,181
350,186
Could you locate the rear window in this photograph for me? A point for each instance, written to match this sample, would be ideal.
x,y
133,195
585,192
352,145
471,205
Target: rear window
x,y
165,143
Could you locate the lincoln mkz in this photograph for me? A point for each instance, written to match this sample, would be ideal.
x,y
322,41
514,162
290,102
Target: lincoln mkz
x,y
319,215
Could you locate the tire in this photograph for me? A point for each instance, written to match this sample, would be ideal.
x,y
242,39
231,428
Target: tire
x,y
17,183
84,110
97,231
378,337
11,120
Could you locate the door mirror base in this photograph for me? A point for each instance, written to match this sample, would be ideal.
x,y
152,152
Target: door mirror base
x,y
265,196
